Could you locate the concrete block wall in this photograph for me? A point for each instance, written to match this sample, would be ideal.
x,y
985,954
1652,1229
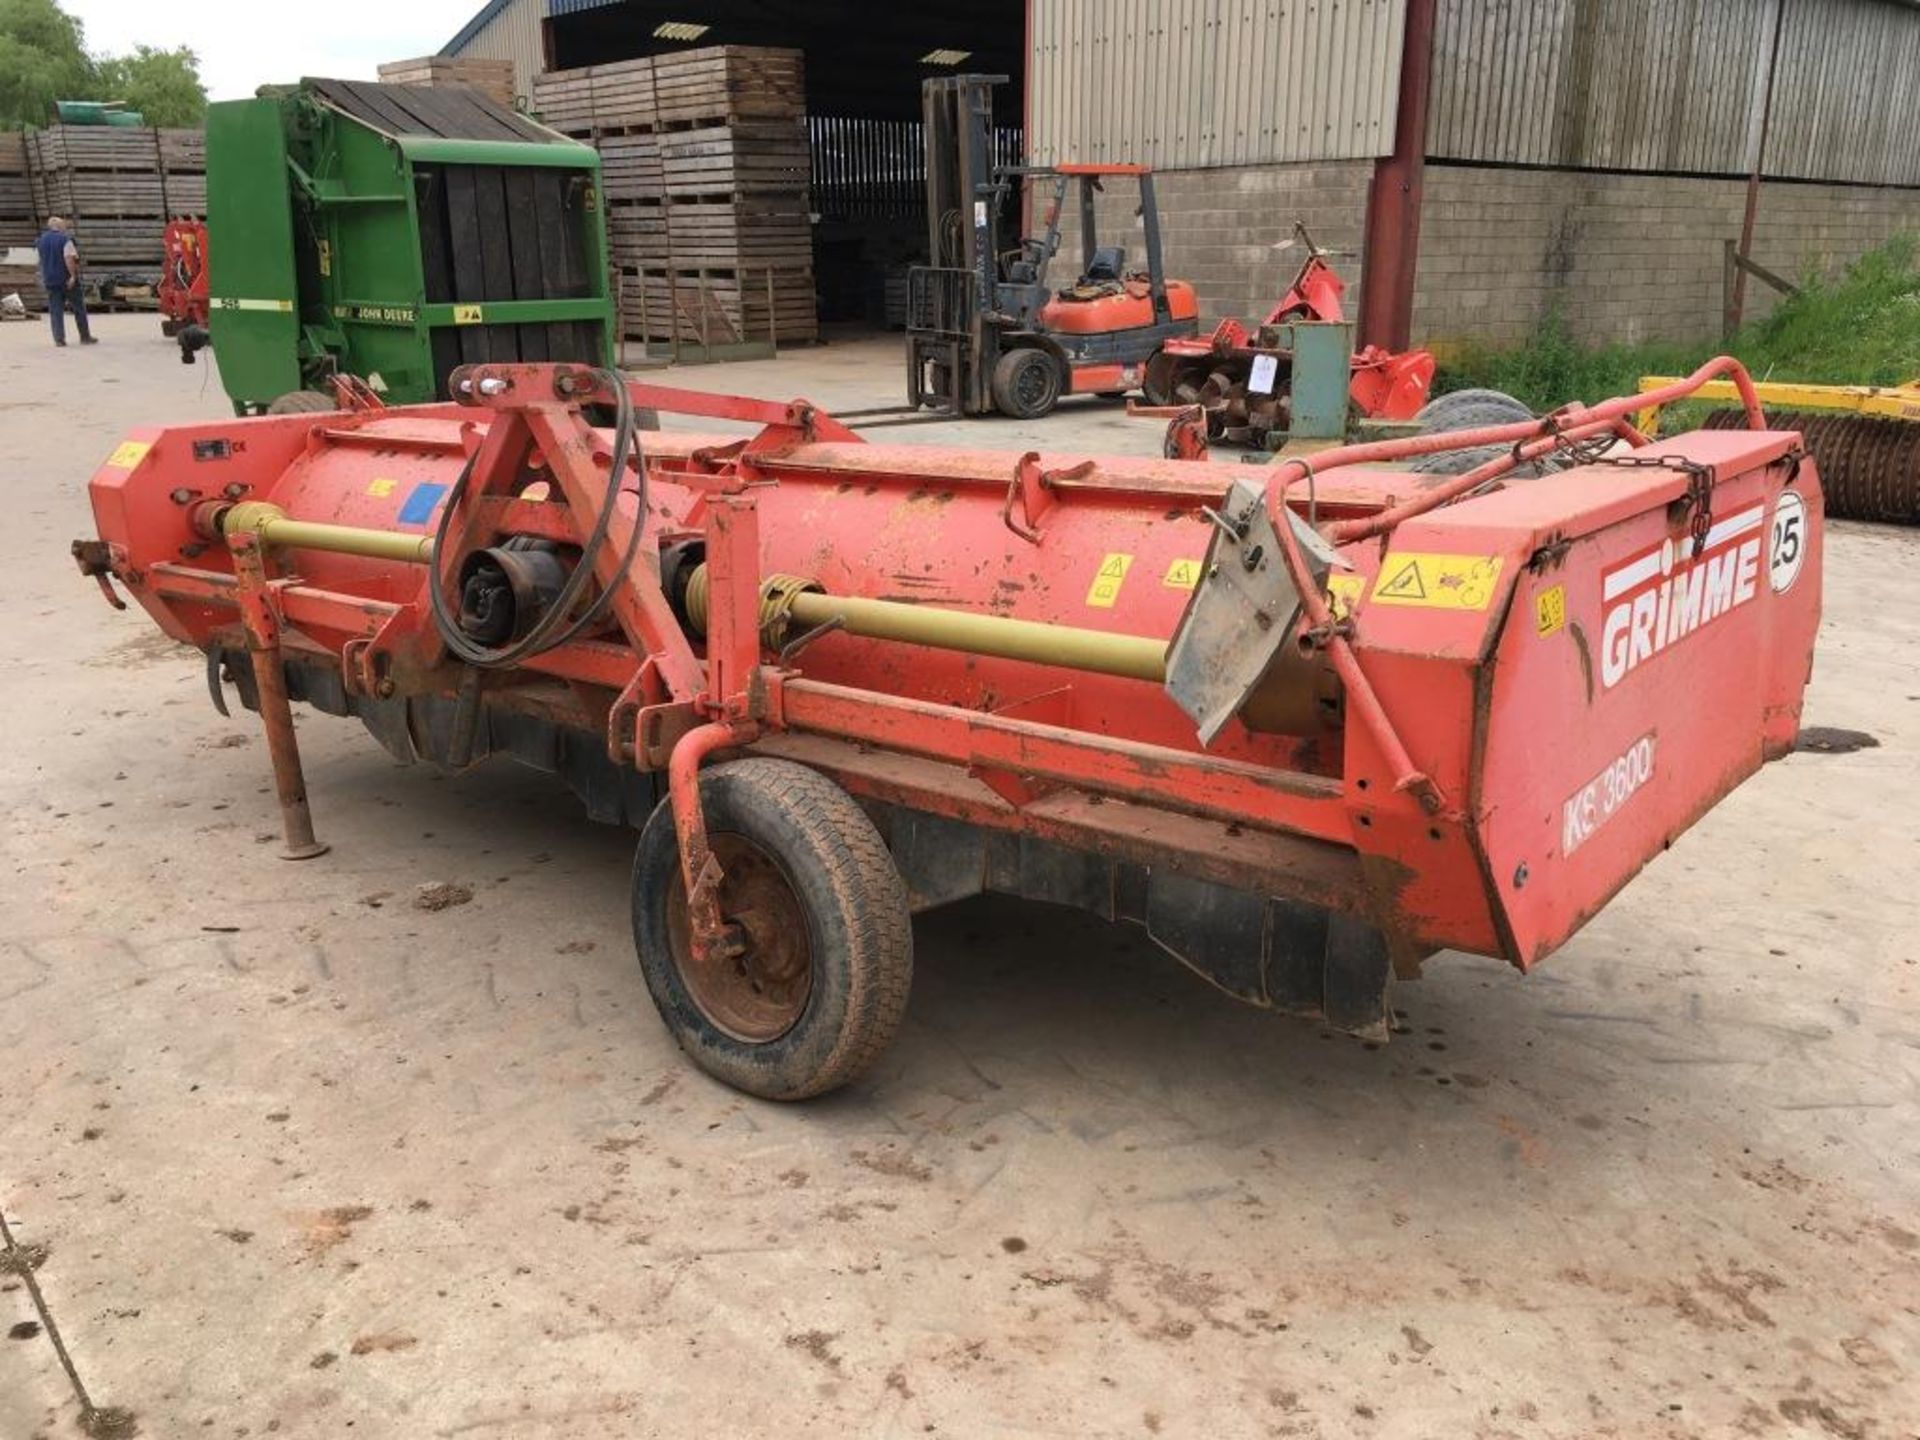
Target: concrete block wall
x,y
1218,227
1625,258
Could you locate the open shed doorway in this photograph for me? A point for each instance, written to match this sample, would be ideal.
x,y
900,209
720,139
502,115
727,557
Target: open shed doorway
x,y
864,66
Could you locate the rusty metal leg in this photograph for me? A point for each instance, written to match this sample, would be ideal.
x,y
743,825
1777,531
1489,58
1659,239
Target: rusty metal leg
x,y
699,870
276,713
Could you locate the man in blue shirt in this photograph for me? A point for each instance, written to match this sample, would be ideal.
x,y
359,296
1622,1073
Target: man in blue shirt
x,y
60,273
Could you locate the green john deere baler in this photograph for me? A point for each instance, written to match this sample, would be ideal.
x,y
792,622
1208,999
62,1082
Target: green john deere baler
x,y
395,233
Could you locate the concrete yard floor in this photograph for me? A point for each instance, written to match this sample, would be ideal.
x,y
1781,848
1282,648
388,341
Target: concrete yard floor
x,y
311,1161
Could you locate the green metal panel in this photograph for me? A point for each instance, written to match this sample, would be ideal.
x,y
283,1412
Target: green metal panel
x,y
1322,373
366,206
561,155
252,279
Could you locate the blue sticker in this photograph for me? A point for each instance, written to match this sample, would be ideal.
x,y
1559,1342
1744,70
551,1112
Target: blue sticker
x,y
420,502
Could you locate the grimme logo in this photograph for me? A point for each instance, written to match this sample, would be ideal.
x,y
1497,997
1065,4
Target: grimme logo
x,y
1662,595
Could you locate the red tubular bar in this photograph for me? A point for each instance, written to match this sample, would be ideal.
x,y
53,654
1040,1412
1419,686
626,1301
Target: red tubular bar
x,y
699,871
1466,483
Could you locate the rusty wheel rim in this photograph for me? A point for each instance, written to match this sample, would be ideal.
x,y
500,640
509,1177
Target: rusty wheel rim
x,y
760,994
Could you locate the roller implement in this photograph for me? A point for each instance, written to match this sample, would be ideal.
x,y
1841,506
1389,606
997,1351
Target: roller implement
x,y
1866,438
1306,724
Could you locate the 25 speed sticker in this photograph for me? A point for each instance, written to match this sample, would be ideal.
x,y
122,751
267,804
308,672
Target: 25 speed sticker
x,y
1602,797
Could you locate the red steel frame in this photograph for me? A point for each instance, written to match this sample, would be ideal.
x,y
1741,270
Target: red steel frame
x,y
674,709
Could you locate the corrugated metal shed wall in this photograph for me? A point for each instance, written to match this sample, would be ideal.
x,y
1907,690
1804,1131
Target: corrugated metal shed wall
x,y
514,34
1676,85
1846,98
1180,84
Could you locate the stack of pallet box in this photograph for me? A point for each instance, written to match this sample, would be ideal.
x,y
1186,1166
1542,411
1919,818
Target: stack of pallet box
x,y
16,197
118,186
19,275
492,78
704,162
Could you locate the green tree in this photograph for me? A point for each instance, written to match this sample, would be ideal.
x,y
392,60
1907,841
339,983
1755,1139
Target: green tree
x,y
163,85
42,59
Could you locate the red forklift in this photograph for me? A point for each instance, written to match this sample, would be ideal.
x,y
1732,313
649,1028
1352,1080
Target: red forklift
x,y
985,331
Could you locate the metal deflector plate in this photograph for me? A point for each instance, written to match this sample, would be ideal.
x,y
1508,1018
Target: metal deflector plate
x,y
1242,611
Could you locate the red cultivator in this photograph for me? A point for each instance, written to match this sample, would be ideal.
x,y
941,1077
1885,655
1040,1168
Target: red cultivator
x,y
1305,724
183,277
1263,385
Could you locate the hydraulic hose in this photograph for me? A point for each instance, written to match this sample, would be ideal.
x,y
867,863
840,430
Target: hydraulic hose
x,y
552,628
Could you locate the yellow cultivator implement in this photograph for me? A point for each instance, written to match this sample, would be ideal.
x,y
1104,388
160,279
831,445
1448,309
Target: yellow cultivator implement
x,y
1866,439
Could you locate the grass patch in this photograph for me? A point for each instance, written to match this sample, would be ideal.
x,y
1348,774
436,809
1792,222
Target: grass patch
x,y
1861,328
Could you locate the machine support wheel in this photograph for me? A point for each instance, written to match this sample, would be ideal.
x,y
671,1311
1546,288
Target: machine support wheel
x,y
301,402
1026,384
821,983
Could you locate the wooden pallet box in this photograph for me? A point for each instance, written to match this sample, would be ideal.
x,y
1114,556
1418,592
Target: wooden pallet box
x,y
184,150
630,167
492,78
597,98
719,308
746,157
729,82
94,147
637,234
740,234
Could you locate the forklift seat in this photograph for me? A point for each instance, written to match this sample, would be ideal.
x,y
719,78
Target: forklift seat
x,y
1108,265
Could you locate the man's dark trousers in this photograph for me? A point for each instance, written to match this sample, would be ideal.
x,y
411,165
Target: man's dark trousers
x,y
59,301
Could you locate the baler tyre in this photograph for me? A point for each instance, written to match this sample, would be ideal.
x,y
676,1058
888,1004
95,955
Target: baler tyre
x,y
1026,384
822,987
301,402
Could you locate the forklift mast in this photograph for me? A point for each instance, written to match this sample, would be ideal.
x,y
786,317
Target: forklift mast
x,y
963,225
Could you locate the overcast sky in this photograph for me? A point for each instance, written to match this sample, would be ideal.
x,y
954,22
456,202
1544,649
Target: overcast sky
x,y
243,46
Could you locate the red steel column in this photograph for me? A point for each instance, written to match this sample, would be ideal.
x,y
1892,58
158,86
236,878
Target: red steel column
x,y
1391,248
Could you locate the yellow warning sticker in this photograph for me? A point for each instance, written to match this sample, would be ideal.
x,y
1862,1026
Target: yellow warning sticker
x,y
1345,592
381,488
1439,582
1106,585
1550,610
1182,575
129,454
468,315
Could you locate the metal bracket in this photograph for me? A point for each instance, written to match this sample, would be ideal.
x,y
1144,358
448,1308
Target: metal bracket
x,y
1243,611
1033,488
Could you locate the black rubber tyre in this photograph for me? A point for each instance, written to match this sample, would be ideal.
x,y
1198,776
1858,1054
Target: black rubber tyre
x,y
301,402
1458,462
1473,417
1026,384
169,327
839,899
1440,411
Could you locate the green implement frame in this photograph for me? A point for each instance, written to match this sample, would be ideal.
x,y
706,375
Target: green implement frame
x,y
396,233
